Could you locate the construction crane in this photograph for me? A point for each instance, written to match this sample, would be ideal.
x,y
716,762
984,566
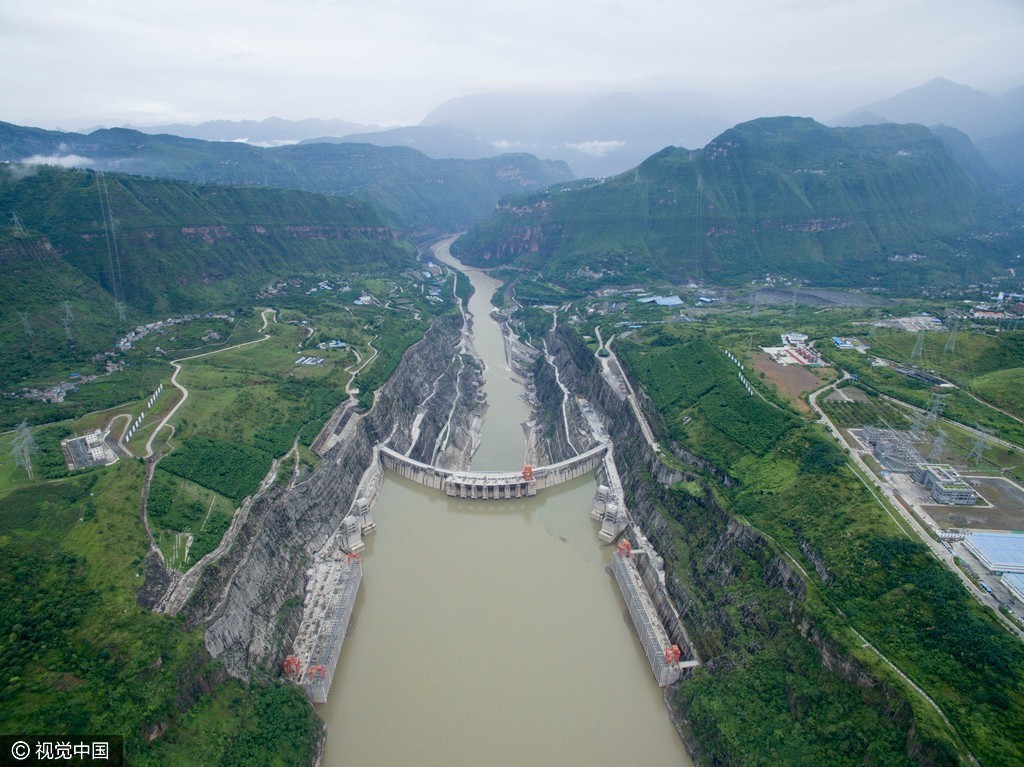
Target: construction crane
x,y
292,666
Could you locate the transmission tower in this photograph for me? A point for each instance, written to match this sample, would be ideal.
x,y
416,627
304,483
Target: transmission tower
x,y
935,409
17,223
928,419
938,446
978,451
918,347
113,255
68,318
23,447
24,323
953,328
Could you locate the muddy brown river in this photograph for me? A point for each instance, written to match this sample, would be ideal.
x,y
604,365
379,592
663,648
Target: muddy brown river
x,y
488,633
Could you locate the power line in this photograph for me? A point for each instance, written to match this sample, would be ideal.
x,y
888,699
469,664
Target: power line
x,y
698,233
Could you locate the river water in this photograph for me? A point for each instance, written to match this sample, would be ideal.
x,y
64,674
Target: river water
x,y
489,634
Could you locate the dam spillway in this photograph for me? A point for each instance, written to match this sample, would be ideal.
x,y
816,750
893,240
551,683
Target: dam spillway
x,y
493,485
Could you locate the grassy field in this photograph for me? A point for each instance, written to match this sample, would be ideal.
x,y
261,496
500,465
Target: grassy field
x,y
1003,389
179,510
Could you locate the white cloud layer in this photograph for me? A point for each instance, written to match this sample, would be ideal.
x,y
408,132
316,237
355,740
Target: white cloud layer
x,y
597,148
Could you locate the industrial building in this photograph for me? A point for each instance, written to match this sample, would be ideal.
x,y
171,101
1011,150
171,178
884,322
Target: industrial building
x,y
946,484
87,451
999,552
892,449
1014,583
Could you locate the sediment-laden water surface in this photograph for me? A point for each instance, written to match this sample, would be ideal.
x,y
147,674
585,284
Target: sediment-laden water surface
x,y
489,632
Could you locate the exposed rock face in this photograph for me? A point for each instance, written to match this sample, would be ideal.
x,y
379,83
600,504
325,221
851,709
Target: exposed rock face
x,y
718,543
250,598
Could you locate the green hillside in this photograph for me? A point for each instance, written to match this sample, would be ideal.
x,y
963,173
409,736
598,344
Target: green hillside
x,y
421,194
174,247
882,205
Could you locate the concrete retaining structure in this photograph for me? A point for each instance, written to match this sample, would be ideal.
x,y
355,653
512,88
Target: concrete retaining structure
x,y
663,655
329,603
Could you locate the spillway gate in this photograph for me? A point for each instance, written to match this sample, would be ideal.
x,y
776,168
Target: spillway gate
x,y
492,485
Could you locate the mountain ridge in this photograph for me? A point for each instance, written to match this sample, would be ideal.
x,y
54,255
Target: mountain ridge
x,y
781,195
421,195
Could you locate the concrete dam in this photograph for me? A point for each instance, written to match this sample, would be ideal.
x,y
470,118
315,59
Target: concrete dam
x,y
333,580
333,583
493,485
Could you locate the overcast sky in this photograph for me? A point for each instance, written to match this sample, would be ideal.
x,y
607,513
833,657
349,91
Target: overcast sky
x,y
77,63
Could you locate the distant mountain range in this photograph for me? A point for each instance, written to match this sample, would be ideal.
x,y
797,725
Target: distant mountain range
x,y
994,123
421,195
272,131
940,101
602,134
871,206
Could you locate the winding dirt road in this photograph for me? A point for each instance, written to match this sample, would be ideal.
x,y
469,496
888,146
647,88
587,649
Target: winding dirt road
x,y
184,392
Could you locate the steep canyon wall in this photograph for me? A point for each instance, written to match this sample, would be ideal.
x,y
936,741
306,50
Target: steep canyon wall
x,y
716,549
250,598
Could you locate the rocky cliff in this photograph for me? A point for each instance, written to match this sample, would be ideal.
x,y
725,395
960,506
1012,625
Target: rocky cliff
x,y
249,598
708,552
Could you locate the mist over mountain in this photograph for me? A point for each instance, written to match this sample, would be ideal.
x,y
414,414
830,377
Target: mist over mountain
x,y
597,135
437,141
272,131
976,113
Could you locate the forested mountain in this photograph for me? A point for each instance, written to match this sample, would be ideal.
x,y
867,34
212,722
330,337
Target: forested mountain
x,y
160,247
844,206
421,194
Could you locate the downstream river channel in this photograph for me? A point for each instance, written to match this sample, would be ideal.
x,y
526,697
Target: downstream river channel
x,y
488,633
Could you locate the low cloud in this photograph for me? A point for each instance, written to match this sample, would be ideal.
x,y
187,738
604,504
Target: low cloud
x,y
597,148
512,146
265,144
62,161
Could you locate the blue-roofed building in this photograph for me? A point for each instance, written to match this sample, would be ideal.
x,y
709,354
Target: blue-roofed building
x,y
999,552
1014,583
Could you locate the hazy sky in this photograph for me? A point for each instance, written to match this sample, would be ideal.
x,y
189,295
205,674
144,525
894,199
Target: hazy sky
x,y
76,63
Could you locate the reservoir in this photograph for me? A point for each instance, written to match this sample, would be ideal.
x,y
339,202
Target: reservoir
x,y
489,632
